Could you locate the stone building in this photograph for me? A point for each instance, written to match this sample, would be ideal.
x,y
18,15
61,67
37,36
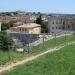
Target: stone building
x,y
61,23
55,23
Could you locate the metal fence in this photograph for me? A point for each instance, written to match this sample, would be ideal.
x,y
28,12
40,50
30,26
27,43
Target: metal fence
x,y
41,41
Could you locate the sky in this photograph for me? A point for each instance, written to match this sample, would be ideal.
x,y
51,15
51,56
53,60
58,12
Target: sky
x,y
46,6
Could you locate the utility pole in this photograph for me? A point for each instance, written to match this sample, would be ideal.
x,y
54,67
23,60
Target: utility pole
x,y
43,38
9,53
29,43
55,38
66,22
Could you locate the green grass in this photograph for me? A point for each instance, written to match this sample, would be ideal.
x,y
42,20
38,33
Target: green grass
x,y
4,56
52,43
60,62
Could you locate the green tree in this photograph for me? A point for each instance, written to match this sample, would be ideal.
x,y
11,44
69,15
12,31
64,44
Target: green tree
x,y
11,23
44,25
4,26
6,42
39,20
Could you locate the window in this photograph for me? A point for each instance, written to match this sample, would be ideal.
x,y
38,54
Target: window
x,y
52,27
63,27
59,27
68,26
56,27
53,22
56,22
25,30
63,23
20,29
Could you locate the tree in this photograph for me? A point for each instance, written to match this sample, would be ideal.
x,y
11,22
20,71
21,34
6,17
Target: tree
x,y
6,42
8,13
44,25
11,23
4,26
39,20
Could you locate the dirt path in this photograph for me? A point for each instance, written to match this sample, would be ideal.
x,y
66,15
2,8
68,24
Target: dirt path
x,y
11,66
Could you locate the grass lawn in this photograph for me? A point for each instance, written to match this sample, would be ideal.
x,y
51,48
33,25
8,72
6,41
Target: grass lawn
x,y
52,43
4,56
12,57
56,63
